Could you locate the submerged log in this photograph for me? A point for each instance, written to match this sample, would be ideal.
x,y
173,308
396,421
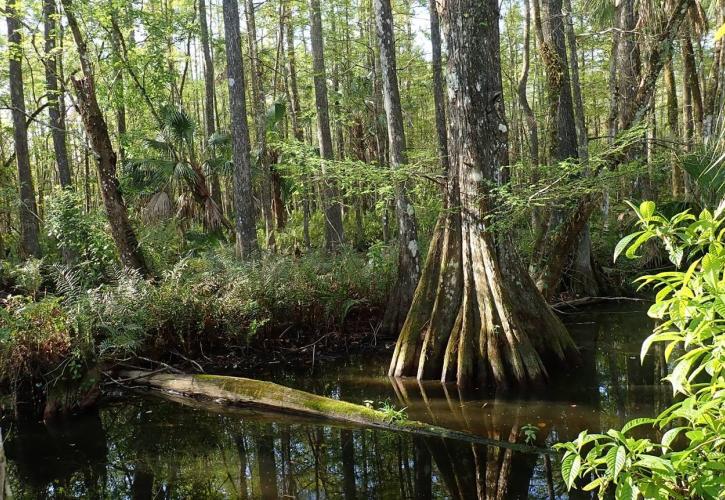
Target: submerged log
x,y
244,392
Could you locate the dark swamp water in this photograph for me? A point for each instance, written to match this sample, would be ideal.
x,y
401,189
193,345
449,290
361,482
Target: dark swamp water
x,y
144,447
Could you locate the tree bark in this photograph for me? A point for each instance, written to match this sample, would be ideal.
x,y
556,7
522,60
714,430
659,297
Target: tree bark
x,y
677,180
628,63
714,78
521,90
438,85
692,83
560,243
29,242
260,122
209,107
245,229
56,115
334,235
476,317
408,255
97,131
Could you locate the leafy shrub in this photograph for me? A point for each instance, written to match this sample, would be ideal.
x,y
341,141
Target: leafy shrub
x,y
82,238
34,337
688,461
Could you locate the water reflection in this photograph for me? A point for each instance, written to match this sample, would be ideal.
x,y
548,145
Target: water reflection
x,y
144,448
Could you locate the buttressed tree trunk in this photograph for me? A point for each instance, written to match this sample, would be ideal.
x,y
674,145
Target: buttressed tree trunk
x,y
30,245
55,115
477,317
408,255
245,229
334,236
97,131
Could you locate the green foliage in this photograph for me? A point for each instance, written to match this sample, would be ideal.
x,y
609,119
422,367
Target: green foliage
x,y
392,414
687,459
82,238
34,337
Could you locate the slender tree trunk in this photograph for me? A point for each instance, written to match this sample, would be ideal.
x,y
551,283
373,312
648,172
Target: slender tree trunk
x,y
477,317
408,255
245,229
209,107
55,95
295,112
29,243
576,89
531,124
714,79
673,126
438,84
97,131
692,83
260,118
334,235
585,281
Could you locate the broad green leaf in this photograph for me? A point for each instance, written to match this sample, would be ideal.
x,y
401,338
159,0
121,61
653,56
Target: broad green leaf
x,y
626,490
570,466
647,209
619,461
670,436
594,484
636,423
623,244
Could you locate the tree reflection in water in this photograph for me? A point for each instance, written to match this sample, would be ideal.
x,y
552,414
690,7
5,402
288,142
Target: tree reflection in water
x,y
149,448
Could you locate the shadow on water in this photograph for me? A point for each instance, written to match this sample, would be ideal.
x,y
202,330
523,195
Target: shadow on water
x,y
148,448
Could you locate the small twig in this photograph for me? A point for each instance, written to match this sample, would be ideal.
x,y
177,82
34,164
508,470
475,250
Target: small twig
x,y
198,366
166,366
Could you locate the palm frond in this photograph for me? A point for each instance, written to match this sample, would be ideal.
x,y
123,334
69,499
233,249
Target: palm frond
x,y
218,139
177,125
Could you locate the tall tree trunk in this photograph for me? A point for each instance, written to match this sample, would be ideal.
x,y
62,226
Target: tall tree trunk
x,y
714,78
209,107
408,255
584,276
628,63
260,122
246,232
438,84
295,112
692,82
677,180
334,235
477,317
29,243
55,95
576,89
560,243
531,124
97,132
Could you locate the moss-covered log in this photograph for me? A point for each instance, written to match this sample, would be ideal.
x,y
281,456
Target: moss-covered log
x,y
244,392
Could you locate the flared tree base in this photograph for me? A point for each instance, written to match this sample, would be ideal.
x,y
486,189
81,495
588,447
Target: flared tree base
x,y
477,318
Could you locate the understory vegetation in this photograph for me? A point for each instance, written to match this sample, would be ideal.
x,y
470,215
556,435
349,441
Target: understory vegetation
x,y
683,455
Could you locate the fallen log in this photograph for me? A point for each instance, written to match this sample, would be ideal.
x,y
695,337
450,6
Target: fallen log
x,y
271,397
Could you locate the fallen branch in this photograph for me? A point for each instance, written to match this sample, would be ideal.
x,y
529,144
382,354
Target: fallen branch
x,y
243,392
585,301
